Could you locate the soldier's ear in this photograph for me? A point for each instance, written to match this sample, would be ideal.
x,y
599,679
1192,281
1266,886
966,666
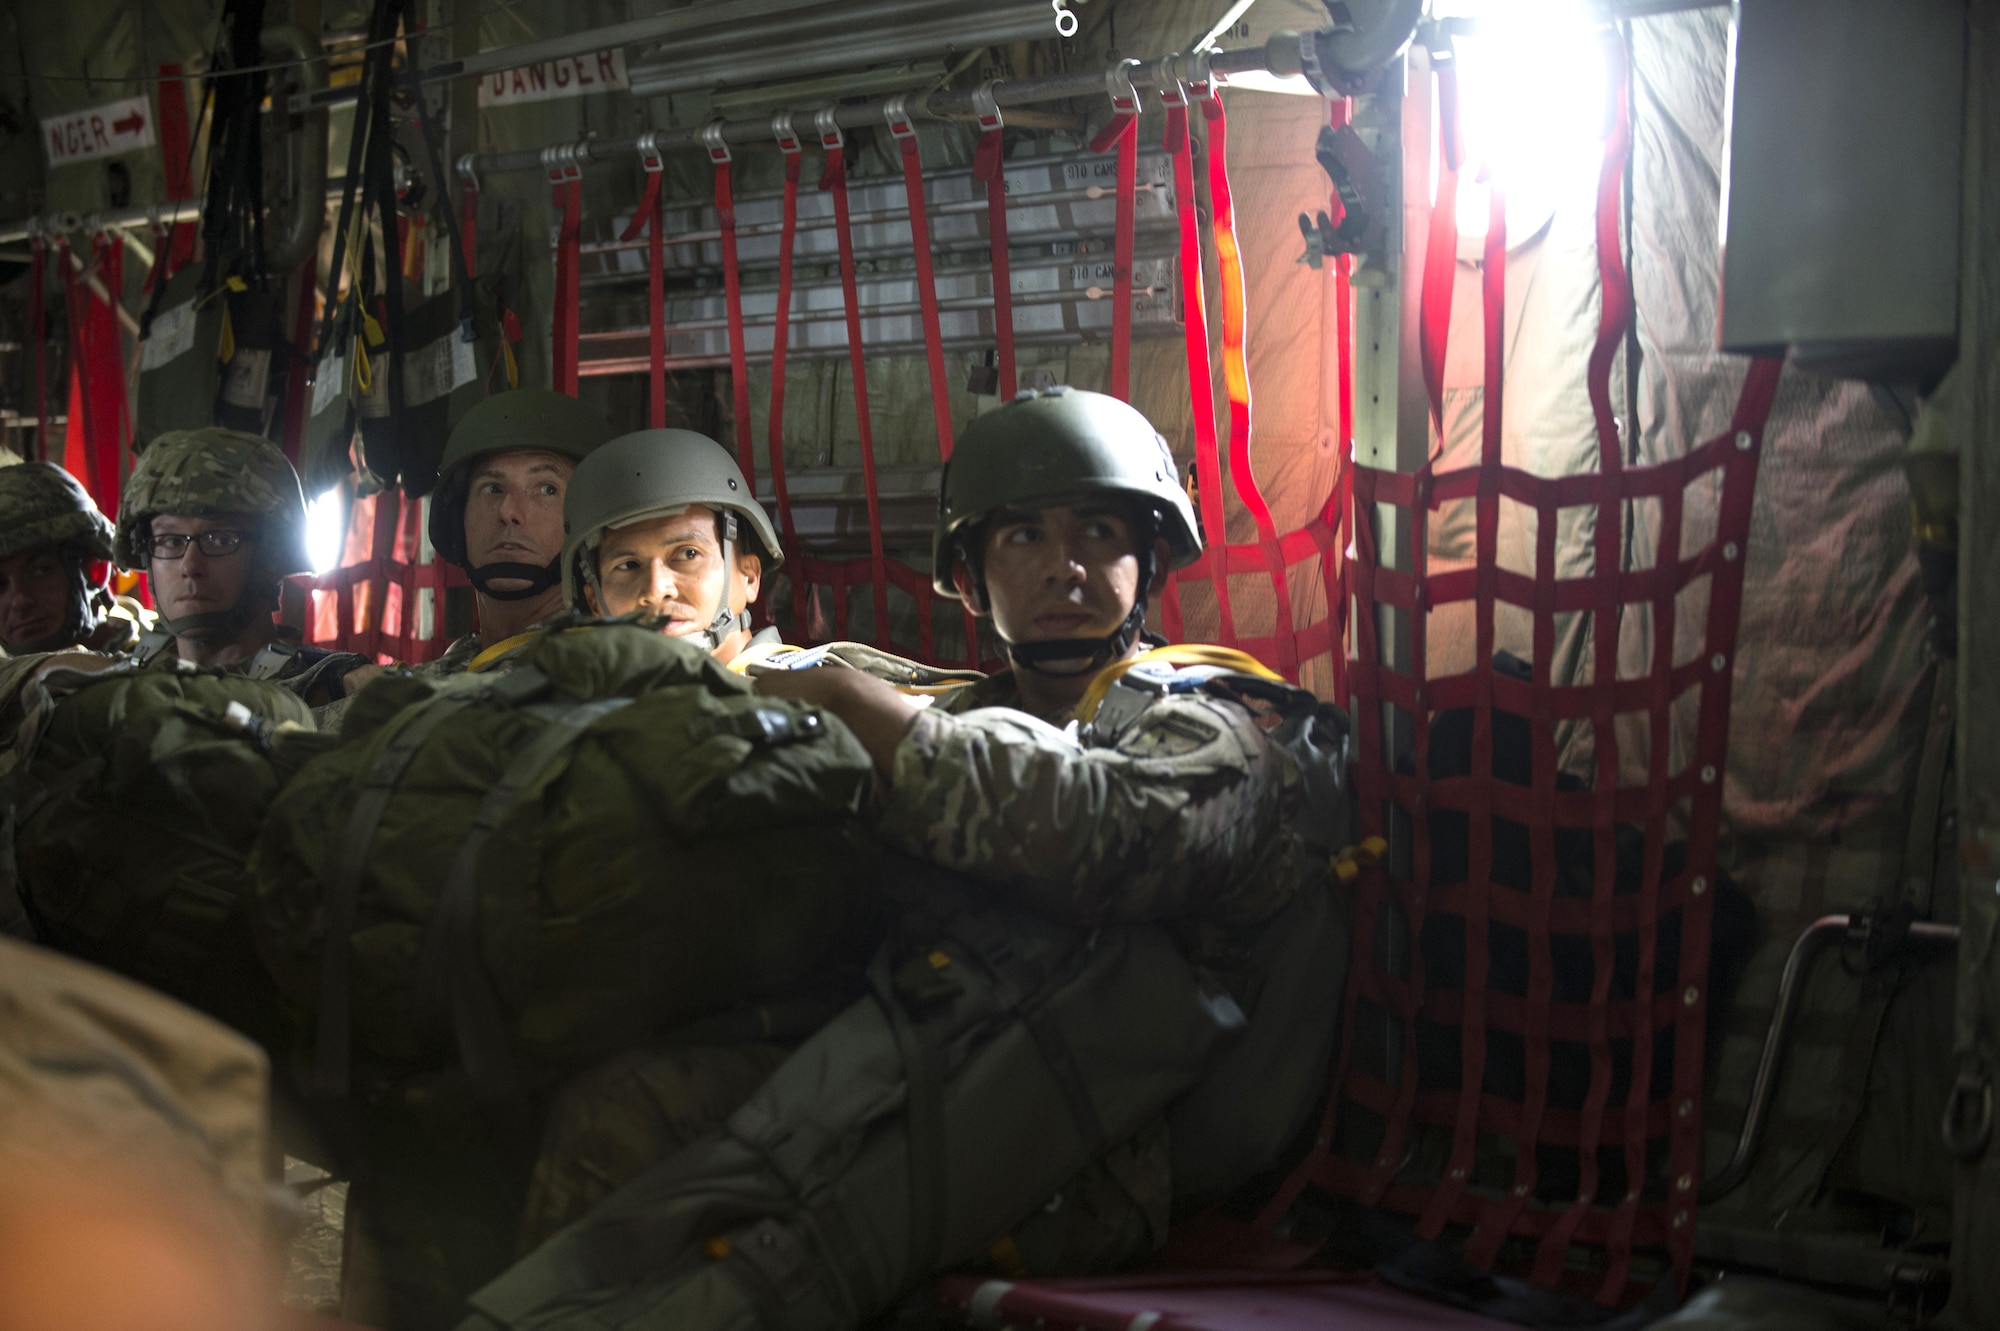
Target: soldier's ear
x,y
590,600
1163,555
751,569
969,590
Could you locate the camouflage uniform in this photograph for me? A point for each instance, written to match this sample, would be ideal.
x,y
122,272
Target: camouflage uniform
x,y
213,473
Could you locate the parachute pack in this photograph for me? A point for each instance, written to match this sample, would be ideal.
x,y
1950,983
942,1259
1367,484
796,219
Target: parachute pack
x,y
543,866
135,798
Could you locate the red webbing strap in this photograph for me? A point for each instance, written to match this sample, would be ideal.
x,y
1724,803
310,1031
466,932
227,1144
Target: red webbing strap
x,y
650,217
94,442
896,113
1201,389
1338,514
567,180
834,178
1441,249
1615,311
1236,376
1485,1239
1122,132
38,333
177,165
989,164
781,333
732,289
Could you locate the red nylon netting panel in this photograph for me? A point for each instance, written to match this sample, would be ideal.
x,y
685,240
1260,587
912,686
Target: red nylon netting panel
x,y
1522,1054
383,602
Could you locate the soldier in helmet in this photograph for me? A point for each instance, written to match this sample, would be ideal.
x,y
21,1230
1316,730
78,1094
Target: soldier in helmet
x,y
55,556
661,522
217,520
497,511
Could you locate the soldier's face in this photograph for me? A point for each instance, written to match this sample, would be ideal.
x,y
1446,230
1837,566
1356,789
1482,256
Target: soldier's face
x,y
34,598
198,582
673,567
1065,571
513,510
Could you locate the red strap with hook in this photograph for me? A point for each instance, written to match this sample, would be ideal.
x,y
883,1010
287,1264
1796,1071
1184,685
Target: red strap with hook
x,y
567,180
732,291
1122,133
780,341
920,242
650,217
1201,389
834,179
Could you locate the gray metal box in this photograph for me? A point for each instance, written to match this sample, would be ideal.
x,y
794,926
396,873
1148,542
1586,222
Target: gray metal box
x,y
1841,184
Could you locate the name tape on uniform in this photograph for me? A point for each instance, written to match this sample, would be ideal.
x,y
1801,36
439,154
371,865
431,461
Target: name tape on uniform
x,y
573,77
98,131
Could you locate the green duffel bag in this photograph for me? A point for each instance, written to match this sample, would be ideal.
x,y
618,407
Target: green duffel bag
x,y
135,799
524,872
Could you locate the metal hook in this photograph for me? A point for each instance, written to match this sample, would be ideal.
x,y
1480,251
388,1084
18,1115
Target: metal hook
x,y
1066,22
782,131
896,112
711,135
824,120
986,106
1118,85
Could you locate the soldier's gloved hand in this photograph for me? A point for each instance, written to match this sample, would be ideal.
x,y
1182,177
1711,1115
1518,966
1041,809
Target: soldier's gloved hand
x,y
878,715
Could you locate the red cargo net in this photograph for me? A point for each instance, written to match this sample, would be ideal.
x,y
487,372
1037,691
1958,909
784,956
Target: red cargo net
x,y
1551,1105
387,600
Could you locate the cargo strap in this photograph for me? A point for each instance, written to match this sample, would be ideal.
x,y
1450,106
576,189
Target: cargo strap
x,y
989,164
896,112
38,333
732,288
1336,516
650,217
99,409
566,182
333,1054
1236,380
834,179
1122,133
468,212
1441,246
781,335
452,988
1201,386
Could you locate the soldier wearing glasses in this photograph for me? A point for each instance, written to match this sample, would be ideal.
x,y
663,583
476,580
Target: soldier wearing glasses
x,y
217,519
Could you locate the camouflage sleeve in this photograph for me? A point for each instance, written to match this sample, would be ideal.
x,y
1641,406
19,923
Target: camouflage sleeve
x,y
1180,819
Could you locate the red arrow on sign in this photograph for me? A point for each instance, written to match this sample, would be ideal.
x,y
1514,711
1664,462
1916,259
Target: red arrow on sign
x,y
131,124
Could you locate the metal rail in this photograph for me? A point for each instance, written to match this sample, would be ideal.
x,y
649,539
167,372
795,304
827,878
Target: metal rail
x,y
1817,937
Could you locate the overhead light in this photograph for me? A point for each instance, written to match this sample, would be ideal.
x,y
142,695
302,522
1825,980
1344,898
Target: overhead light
x,y
326,530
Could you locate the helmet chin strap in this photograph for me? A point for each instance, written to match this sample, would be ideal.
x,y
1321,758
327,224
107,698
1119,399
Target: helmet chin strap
x,y
726,621
539,577
1094,653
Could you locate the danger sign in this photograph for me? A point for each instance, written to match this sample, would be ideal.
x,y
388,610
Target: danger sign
x,y
101,131
572,77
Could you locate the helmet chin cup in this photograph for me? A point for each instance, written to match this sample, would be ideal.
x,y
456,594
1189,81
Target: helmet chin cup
x,y
539,577
1095,653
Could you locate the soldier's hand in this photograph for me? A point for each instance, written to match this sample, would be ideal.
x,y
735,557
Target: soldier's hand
x,y
878,715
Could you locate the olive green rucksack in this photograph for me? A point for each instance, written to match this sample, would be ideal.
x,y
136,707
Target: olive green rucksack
x,y
541,867
135,799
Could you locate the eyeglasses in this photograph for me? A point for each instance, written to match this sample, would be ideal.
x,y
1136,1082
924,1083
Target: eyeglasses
x,y
214,544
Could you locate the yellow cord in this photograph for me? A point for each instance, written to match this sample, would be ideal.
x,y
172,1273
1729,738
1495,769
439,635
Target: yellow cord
x,y
498,650
1180,654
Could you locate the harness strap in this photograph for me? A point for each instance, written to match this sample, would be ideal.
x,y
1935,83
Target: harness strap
x,y
781,333
1174,654
1122,133
1236,377
566,179
1201,387
989,164
451,984
468,213
834,178
732,286
896,112
924,1123
333,1056
650,218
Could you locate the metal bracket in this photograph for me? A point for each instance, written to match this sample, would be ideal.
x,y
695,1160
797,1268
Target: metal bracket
x,y
711,138
468,170
986,107
1118,86
782,131
1201,81
896,112
830,137
1173,92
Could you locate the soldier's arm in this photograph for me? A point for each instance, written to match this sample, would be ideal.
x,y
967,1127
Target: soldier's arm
x,y
1179,819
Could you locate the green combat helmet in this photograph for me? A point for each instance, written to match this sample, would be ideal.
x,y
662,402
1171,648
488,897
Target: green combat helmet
x,y
215,472
1057,446
538,419
43,505
655,474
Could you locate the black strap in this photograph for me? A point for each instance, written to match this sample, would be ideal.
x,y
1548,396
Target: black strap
x,y
375,67
467,308
924,1126
333,1056
451,977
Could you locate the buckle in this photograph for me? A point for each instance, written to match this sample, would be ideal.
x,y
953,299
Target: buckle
x,y
1118,86
711,138
782,131
986,107
830,137
896,112
649,151
468,171
560,161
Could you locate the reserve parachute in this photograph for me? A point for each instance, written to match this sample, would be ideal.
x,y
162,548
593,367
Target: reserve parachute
x,y
541,866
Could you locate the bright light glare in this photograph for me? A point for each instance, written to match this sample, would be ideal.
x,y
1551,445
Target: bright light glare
x,y
1531,90
326,530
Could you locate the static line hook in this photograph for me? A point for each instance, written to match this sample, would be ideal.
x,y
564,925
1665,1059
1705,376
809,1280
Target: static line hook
x,y
1065,20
